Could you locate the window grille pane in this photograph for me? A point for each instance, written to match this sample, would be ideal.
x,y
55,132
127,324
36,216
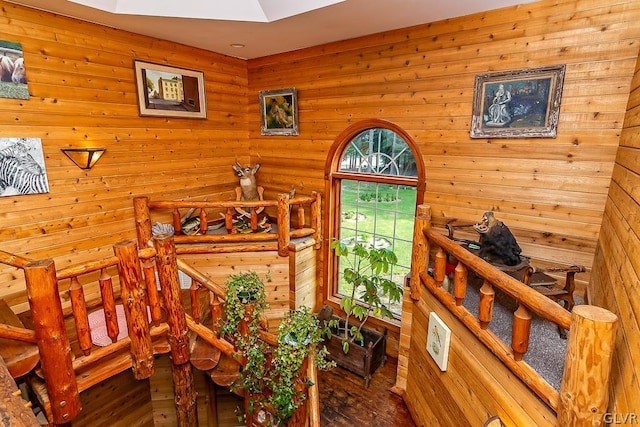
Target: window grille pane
x,y
381,215
379,151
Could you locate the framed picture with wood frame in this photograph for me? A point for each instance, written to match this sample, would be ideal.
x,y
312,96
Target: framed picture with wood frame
x,y
279,112
518,104
167,91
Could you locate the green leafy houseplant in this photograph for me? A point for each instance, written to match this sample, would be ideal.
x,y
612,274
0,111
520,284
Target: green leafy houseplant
x,y
245,299
365,272
299,334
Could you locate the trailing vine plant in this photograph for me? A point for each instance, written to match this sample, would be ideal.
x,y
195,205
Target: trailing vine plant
x,y
299,334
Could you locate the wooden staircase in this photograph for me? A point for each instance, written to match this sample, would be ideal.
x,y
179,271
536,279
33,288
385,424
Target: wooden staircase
x,y
156,323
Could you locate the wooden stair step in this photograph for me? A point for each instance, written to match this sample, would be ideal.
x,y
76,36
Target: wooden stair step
x,y
226,372
204,356
20,357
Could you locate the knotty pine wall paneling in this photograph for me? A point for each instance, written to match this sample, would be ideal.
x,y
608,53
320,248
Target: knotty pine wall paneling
x,y
83,93
616,266
551,192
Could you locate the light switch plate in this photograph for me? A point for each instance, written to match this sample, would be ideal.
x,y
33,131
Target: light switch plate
x,y
438,341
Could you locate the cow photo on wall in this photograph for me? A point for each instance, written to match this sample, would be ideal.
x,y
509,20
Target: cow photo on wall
x,y
13,80
22,169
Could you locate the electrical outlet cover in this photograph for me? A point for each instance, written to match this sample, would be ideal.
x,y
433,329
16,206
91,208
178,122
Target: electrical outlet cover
x,y
438,340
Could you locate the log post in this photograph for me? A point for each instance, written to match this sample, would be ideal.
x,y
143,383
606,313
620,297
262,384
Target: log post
x,y
460,283
520,332
284,224
314,399
584,392
79,309
109,305
53,343
143,220
170,286
485,307
315,219
135,308
420,251
185,394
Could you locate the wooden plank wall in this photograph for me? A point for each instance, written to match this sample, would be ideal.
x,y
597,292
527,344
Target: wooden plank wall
x,y
120,401
444,398
550,192
616,267
272,269
83,93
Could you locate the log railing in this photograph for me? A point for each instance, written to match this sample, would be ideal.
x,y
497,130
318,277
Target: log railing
x,y
149,318
592,329
204,242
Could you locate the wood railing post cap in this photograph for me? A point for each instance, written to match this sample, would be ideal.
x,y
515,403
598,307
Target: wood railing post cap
x,y
595,313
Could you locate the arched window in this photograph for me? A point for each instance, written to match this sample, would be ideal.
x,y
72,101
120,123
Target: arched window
x,y
374,185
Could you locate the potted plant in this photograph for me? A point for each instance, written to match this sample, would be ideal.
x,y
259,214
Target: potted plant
x,y
245,302
365,272
299,334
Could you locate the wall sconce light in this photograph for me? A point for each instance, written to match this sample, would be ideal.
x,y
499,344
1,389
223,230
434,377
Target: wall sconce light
x,y
84,158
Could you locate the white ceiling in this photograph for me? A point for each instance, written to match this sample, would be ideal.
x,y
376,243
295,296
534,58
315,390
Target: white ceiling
x,y
276,33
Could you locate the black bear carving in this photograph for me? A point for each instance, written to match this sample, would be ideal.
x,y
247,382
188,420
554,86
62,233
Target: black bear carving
x,y
497,243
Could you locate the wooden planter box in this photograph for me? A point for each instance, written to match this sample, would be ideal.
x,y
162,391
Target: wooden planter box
x,y
361,360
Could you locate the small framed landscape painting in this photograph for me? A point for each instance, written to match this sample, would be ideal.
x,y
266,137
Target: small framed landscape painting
x,y
167,91
518,104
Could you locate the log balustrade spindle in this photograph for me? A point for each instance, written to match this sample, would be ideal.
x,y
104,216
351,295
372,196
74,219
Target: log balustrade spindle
x,y
521,332
440,266
228,220
254,219
149,269
460,283
485,307
284,224
316,219
216,312
79,309
203,221
300,212
195,303
177,224
109,304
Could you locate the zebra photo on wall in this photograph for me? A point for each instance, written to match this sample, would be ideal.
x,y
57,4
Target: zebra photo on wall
x,y
22,169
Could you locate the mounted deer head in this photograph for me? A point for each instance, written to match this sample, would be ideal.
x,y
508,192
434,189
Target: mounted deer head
x,y
248,184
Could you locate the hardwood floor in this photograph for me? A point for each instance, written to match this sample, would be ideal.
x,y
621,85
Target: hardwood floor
x,y
345,402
